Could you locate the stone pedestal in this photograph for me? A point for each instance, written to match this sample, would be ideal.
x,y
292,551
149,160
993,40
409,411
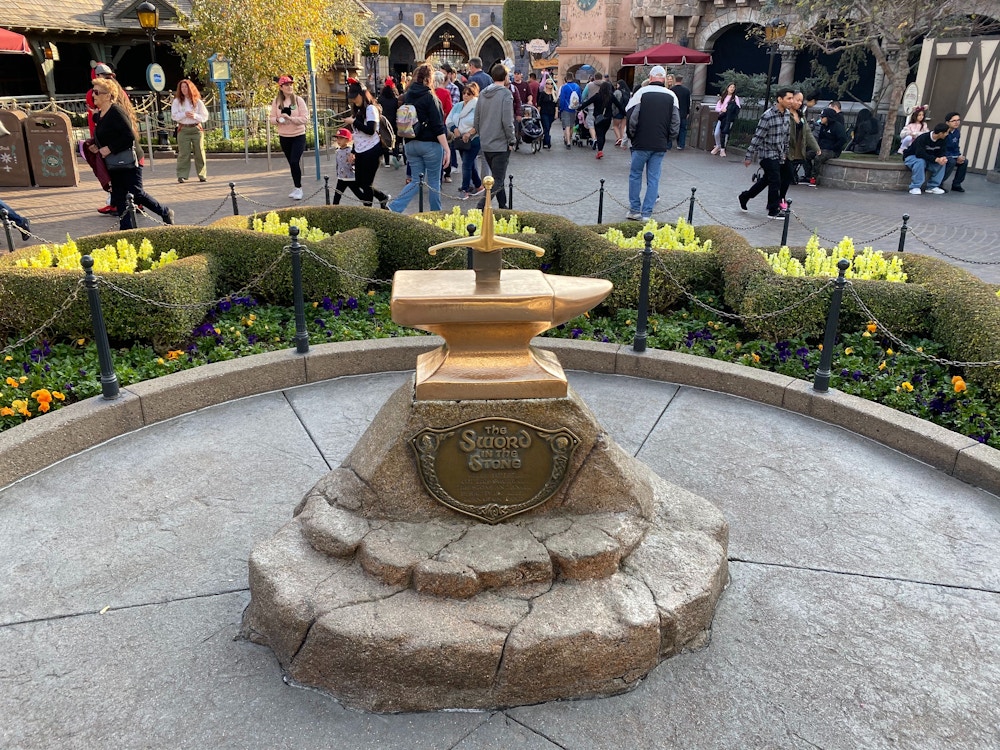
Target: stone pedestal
x,y
385,597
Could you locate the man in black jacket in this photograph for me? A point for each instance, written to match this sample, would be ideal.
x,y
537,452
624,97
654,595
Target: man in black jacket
x,y
925,157
683,94
653,121
832,138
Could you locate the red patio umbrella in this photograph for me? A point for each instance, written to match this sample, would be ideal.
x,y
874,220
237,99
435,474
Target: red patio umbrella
x,y
11,43
667,54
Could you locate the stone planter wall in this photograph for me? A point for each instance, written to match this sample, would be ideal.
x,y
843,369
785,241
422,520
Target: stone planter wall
x,y
855,174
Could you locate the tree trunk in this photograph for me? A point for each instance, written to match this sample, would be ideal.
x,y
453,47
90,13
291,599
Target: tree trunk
x,y
897,85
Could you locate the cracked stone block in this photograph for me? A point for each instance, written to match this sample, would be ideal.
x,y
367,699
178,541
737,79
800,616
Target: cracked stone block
x,y
584,552
505,555
448,579
581,639
330,529
390,553
408,653
340,487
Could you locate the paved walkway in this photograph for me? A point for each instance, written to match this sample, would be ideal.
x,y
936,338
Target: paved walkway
x,y
863,610
566,182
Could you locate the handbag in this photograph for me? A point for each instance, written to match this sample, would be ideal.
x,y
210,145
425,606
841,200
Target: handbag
x,y
122,160
460,144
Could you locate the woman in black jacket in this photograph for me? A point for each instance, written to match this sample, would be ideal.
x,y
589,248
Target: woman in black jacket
x,y
547,102
367,148
388,100
116,135
606,108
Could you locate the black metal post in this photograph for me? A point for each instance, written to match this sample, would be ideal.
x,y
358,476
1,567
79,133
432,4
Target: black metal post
x,y
130,209
510,191
469,252
639,343
600,204
420,194
326,187
109,381
784,227
301,337
691,206
902,234
6,228
232,194
771,49
822,382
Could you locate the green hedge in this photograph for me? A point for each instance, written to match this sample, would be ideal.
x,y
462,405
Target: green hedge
x,y
752,288
29,296
965,317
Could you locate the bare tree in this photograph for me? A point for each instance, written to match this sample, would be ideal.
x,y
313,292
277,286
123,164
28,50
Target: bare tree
x,y
888,29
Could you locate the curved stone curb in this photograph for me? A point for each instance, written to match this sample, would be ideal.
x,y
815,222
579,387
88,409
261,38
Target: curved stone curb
x,y
39,443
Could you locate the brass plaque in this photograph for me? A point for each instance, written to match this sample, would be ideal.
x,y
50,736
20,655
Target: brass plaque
x,y
493,468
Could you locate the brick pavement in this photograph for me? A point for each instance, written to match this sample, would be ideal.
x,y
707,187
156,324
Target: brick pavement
x,y
566,182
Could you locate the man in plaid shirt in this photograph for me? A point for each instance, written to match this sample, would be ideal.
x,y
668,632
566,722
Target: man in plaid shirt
x,y
770,145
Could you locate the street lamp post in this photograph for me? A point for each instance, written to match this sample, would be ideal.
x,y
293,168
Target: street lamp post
x,y
373,52
149,19
774,32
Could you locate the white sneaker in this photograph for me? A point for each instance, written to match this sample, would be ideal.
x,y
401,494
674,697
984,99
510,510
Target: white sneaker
x,y
935,191
296,194
916,191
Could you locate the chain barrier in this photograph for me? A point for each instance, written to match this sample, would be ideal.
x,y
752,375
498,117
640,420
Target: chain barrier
x,y
613,198
196,305
736,316
344,271
221,205
449,196
59,311
862,243
903,345
621,264
719,221
304,200
33,235
549,203
928,245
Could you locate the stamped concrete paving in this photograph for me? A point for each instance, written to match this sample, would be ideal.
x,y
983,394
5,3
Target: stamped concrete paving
x,y
864,607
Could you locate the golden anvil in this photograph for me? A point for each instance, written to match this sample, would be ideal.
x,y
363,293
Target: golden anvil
x,y
487,317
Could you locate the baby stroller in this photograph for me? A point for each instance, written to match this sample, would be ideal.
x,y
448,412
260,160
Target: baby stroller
x,y
581,135
531,127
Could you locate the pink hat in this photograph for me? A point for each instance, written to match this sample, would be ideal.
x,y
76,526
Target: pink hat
x,y
344,133
285,79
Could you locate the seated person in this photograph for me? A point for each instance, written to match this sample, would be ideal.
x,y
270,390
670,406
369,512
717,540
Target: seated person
x,y
831,140
867,134
953,150
23,225
926,158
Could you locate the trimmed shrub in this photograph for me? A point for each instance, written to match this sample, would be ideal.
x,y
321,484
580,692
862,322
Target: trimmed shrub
x,y
965,317
29,296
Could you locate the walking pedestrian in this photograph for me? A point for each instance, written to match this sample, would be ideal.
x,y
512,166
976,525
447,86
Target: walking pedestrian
x,y
428,151
622,93
683,94
605,107
97,70
189,112
547,108
569,100
770,145
802,145
460,124
728,111
494,123
290,115
364,118
653,122
388,102
116,134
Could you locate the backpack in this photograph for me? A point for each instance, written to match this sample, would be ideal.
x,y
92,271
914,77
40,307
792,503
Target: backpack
x,y
406,121
574,99
385,133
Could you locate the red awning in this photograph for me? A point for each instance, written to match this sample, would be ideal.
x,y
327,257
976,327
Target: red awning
x,y
11,43
667,54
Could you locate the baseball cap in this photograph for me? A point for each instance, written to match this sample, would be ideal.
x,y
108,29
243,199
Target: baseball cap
x,y
344,133
285,79
657,71
829,112
446,67
102,70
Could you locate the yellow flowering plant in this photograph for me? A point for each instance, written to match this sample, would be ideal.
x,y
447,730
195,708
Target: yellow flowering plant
x,y
120,257
869,264
665,237
271,224
457,222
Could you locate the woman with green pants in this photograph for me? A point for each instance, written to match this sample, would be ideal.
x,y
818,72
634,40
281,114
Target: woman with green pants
x,y
189,112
